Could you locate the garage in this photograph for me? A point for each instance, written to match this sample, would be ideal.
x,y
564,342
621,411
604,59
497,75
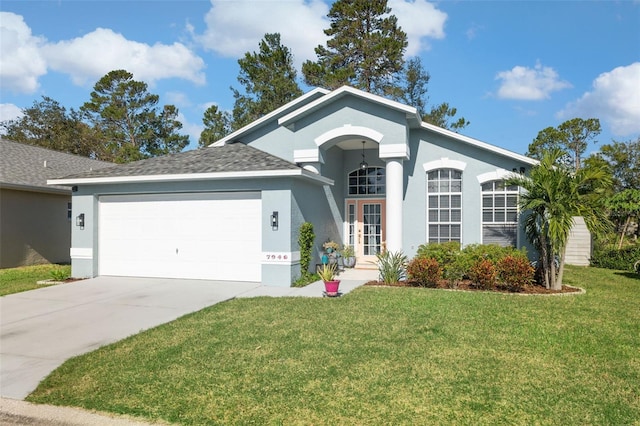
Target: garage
x,y
213,236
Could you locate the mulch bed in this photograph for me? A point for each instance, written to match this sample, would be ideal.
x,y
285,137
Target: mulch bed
x,y
467,285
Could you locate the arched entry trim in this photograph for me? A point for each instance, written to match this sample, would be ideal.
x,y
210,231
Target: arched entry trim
x,y
349,131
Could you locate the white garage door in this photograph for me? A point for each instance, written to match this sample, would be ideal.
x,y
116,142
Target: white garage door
x,y
201,236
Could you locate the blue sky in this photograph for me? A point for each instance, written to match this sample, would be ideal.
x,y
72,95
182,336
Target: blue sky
x,y
511,68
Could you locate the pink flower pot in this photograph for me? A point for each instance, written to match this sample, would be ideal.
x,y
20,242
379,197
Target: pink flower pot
x,y
331,287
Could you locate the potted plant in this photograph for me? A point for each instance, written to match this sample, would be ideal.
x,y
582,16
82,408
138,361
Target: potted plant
x,y
348,256
328,275
330,246
331,252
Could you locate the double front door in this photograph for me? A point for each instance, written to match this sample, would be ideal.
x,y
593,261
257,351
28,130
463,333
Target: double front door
x,y
365,229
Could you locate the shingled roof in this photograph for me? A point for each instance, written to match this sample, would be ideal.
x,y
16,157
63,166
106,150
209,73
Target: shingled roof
x,y
229,158
28,167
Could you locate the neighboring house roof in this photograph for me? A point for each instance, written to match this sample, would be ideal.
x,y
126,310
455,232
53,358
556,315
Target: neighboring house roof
x,y
28,167
233,160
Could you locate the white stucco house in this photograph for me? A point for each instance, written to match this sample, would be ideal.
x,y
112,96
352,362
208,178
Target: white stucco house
x,y
363,169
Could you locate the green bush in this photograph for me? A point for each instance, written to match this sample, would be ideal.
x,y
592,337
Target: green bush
x,y
425,271
515,272
457,264
622,260
492,252
444,253
305,241
454,272
483,274
392,266
305,279
61,273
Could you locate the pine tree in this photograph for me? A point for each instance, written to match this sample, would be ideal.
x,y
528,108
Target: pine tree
x,y
365,49
269,81
127,116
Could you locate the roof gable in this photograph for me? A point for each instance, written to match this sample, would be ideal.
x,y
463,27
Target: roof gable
x,y
479,144
301,100
412,115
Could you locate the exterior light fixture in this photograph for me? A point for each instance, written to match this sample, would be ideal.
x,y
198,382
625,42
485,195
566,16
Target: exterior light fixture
x,y
363,164
522,169
274,221
80,220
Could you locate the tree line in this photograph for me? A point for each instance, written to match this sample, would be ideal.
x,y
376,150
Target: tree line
x,y
123,122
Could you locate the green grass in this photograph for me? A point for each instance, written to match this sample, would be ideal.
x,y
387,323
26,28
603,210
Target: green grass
x,y
15,280
379,356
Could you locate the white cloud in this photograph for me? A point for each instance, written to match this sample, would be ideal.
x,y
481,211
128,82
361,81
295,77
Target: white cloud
x,y
78,58
191,129
179,99
10,112
22,63
615,99
236,27
420,20
472,32
531,84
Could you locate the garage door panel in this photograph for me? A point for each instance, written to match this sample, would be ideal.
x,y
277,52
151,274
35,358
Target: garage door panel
x,y
200,236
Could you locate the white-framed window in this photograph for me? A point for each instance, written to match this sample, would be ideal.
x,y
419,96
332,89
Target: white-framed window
x,y
369,181
499,213
69,212
444,205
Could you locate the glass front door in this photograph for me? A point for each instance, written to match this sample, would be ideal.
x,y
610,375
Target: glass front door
x,y
365,229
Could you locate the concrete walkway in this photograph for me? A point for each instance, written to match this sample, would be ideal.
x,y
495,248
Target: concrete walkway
x,y
42,328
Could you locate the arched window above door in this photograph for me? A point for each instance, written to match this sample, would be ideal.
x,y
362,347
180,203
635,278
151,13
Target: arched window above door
x,y
369,181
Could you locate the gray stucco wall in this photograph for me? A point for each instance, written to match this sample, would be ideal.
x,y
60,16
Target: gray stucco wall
x,y
34,228
426,147
275,195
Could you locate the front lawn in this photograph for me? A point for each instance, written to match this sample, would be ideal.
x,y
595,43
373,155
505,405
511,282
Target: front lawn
x,y
15,280
379,356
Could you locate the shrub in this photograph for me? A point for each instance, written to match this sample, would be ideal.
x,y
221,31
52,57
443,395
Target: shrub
x,y
483,274
514,272
305,279
454,272
622,260
60,273
425,271
305,241
392,266
444,253
492,252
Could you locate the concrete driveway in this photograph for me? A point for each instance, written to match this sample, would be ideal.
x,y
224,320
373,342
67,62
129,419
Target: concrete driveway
x,y
42,328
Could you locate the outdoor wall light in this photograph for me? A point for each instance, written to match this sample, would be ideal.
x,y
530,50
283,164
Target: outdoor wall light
x,y
80,220
274,221
363,164
522,170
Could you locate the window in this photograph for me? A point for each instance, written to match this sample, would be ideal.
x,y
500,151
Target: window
x,y
444,205
370,181
69,212
499,213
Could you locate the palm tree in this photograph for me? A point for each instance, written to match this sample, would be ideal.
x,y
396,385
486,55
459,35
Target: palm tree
x,y
552,196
